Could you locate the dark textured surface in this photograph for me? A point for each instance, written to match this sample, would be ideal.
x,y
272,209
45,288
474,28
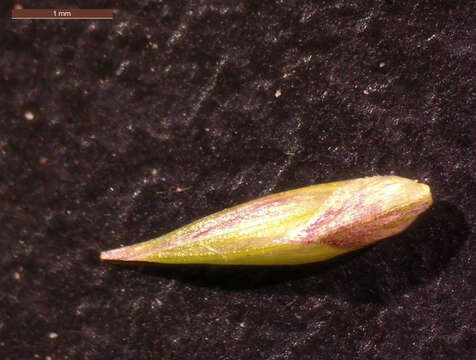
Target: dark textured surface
x,y
175,110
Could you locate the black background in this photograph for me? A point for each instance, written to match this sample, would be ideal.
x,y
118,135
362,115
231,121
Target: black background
x,y
114,132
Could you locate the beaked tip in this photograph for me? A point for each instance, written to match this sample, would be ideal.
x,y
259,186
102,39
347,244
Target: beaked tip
x,y
119,254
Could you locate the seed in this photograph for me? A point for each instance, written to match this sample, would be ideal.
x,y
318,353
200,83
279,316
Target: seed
x,y
305,225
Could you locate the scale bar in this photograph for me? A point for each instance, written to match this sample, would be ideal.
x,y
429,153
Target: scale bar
x,y
61,14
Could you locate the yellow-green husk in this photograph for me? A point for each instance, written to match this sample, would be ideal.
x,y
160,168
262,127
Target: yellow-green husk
x,y
299,226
